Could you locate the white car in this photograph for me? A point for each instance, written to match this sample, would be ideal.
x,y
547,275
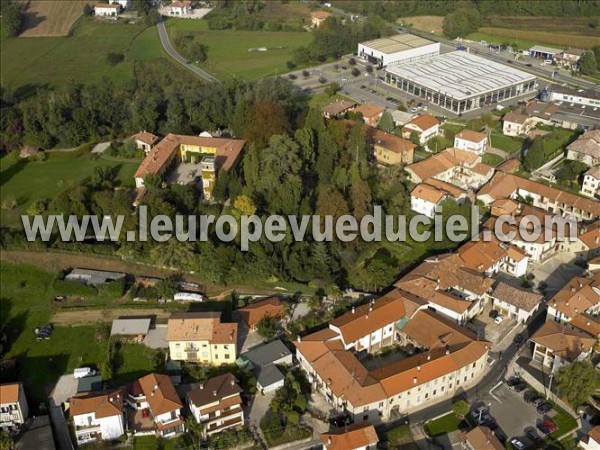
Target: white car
x,y
499,319
517,444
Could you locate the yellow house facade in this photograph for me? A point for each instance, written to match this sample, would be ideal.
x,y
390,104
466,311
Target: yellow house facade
x,y
202,338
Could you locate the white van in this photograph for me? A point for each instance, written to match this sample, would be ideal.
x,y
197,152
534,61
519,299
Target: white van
x,y
83,372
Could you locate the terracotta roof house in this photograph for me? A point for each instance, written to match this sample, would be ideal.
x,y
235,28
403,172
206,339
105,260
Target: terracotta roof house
x,y
516,124
371,113
256,311
144,140
201,337
175,148
591,441
359,436
216,404
490,257
590,187
586,148
481,438
515,303
156,394
578,304
429,194
13,406
470,140
424,126
390,149
98,416
318,17
556,345
328,357
566,204
337,109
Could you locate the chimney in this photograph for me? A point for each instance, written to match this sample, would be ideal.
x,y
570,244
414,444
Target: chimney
x,y
214,393
428,357
419,368
353,310
232,382
329,440
415,380
201,386
298,338
155,387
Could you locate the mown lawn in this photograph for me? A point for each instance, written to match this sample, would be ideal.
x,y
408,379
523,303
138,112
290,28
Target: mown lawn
x,y
28,181
445,424
26,303
56,61
492,159
507,143
152,443
400,438
228,50
131,361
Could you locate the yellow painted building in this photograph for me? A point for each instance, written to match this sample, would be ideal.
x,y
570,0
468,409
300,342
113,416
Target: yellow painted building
x,y
202,337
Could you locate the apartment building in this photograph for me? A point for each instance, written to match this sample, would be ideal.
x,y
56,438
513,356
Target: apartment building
x,y
550,199
201,337
445,284
13,406
98,416
154,396
587,244
450,358
515,303
590,186
530,229
471,141
216,404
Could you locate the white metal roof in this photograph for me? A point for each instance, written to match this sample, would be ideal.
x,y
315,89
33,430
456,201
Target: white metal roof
x,y
543,49
397,43
461,75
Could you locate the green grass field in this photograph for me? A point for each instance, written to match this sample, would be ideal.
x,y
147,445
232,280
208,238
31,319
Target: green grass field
x,y
228,54
81,57
28,181
27,295
507,143
133,361
444,424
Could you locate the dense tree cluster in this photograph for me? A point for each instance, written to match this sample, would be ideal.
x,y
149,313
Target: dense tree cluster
x,y
407,8
336,37
461,23
12,17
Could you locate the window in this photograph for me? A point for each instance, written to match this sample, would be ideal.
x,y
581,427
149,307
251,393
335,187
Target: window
x,y
216,356
226,355
366,417
226,347
177,344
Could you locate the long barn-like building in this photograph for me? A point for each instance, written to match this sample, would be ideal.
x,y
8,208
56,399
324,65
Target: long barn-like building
x,y
460,82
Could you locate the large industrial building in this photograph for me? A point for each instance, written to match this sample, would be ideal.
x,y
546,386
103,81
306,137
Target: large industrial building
x,y
460,82
401,48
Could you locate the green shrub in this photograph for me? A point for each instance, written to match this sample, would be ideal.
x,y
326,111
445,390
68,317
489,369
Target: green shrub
x,y
64,287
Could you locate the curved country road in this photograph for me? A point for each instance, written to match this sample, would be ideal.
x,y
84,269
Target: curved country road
x,y
164,40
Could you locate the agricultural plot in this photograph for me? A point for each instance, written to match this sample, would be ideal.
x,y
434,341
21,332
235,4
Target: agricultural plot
x,y
51,18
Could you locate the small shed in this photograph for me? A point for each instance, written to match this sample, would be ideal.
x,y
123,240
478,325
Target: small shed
x,y
133,328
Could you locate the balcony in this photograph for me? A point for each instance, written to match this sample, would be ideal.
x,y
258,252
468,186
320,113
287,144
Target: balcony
x,y
224,413
226,424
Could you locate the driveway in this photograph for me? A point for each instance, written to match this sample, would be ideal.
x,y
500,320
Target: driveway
x,y
246,338
164,40
100,148
157,337
259,407
65,388
556,272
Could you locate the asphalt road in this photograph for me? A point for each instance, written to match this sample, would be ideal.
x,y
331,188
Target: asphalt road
x,y
164,40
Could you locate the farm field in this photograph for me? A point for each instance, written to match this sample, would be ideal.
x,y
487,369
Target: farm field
x,y
542,37
429,24
228,50
51,18
81,57
28,181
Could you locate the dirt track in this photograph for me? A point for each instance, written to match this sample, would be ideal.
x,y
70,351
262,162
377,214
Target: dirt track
x,y
78,317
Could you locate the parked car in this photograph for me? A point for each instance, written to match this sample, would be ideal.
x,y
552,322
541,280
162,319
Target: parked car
x,y
518,340
550,425
512,381
538,402
544,408
499,319
83,372
44,332
517,444
530,396
532,434
543,428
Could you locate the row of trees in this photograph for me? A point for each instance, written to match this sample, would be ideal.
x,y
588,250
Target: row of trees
x,y
12,17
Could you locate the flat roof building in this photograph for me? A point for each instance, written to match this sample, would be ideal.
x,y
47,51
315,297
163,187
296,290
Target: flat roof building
x,y
460,81
401,48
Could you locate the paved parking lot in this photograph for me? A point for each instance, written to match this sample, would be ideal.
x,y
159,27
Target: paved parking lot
x,y
556,272
513,414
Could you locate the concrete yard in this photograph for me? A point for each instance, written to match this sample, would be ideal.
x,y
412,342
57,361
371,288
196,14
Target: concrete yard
x,y
556,272
157,337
